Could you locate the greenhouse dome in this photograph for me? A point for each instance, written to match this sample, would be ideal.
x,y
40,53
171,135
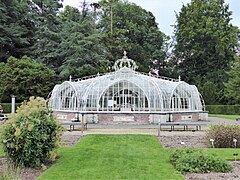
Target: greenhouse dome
x,y
126,91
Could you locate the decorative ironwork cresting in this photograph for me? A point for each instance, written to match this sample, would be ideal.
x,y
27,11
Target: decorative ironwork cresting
x,y
125,62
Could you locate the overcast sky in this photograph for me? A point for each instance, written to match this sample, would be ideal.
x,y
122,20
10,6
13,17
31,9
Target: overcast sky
x,y
164,10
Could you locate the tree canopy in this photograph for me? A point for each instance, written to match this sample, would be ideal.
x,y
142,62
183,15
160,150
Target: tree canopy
x,y
129,27
86,40
47,27
15,29
24,77
81,47
204,42
233,84
77,42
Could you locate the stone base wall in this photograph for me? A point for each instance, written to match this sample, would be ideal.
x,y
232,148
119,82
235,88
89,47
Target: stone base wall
x,y
128,118
178,117
185,117
123,118
156,118
70,116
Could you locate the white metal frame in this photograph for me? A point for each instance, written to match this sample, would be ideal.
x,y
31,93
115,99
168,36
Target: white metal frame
x,y
126,90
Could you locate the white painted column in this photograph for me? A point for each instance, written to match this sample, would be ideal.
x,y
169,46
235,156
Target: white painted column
x,y
13,104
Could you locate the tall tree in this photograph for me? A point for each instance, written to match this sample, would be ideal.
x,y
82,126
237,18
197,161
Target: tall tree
x,y
233,84
81,48
129,27
47,35
16,33
24,78
205,42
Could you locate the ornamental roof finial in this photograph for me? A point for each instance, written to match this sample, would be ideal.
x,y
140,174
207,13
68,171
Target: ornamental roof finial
x,y
125,62
124,54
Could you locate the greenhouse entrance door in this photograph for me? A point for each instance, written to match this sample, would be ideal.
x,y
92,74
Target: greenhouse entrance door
x,y
126,100
123,96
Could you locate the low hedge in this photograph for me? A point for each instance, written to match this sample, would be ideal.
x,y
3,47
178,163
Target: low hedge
x,y
7,107
223,109
197,161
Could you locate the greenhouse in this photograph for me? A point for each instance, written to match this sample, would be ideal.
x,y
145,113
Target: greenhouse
x,y
126,91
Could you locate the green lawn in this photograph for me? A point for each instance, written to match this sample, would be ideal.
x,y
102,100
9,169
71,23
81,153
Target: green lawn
x,y
224,116
1,150
1,147
225,153
113,157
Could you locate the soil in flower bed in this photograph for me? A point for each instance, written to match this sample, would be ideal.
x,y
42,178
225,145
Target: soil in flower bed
x,y
183,141
217,176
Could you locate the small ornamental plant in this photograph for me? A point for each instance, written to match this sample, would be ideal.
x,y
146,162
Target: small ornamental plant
x,y
32,135
223,136
196,161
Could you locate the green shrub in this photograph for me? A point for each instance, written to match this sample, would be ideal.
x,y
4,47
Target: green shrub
x,y
196,161
178,153
223,109
223,135
7,107
32,134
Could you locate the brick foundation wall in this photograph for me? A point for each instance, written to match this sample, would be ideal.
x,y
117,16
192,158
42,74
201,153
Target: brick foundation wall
x,y
70,116
126,118
64,116
123,118
185,117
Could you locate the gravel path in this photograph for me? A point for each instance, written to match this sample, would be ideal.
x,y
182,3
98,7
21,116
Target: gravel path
x,y
69,140
216,120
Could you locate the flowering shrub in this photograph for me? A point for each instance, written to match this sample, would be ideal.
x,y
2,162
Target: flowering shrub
x,y
196,161
223,135
32,134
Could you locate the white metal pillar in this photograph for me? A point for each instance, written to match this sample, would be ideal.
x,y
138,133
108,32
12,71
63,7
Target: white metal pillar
x,y
13,104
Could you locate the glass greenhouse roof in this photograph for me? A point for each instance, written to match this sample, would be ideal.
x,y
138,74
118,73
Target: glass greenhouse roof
x,y
126,90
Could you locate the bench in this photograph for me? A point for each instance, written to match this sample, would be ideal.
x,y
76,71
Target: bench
x,y
73,124
185,125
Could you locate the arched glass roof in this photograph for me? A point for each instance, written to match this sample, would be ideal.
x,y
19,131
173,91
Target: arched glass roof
x,y
126,90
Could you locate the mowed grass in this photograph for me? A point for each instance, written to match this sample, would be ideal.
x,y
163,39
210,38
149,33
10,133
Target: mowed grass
x,y
1,145
233,117
113,157
1,150
224,153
